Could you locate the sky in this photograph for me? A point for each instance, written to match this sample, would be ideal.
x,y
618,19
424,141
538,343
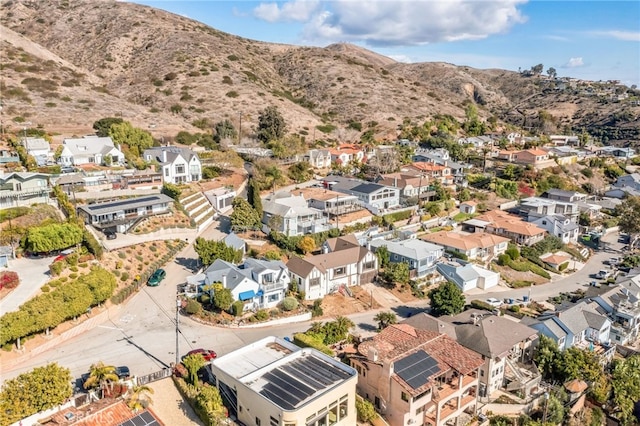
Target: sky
x,y
593,40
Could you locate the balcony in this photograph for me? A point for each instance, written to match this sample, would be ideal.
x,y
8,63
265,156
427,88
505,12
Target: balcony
x,y
445,390
269,287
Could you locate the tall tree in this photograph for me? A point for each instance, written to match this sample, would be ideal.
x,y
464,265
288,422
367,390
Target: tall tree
x,y
447,299
210,250
253,195
551,72
224,130
103,125
193,364
537,69
628,213
244,216
275,176
34,391
133,140
271,125
139,398
223,299
625,381
382,253
306,244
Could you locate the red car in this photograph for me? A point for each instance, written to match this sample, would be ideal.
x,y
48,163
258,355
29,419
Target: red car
x,y
207,354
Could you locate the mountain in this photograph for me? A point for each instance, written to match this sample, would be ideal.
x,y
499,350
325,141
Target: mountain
x,y
66,63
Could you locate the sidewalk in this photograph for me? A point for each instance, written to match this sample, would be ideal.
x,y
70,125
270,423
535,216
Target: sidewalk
x,y
33,273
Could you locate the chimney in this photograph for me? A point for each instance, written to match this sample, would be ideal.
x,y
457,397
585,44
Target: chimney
x,y
373,354
224,281
164,156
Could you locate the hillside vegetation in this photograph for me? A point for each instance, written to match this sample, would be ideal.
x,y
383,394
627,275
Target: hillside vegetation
x,y
67,63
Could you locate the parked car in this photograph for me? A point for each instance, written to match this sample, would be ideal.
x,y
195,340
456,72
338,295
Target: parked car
x,y
603,274
110,235
613,261
123,372
63,254
156,278
207,354
496,303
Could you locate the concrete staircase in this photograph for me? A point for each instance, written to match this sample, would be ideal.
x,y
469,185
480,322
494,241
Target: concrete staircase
x,y
199,208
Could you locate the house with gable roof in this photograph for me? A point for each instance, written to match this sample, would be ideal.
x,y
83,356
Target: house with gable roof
x,y
318,158
347,153
477,245
506,347
622,305
178,165
290,214
501,223
344,262
415,376
89,150
421,256
375,197
39,149
468,276
23,188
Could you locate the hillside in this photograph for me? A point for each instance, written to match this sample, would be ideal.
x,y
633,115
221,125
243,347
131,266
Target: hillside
x,y
67,63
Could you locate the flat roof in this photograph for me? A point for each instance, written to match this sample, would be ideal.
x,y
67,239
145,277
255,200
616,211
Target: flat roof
x,y
283,373
131,203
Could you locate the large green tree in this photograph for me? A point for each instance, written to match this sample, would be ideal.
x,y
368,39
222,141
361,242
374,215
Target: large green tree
x,y
300,172
193,364
546,356
397,273
628,213
55,236
447,299
224,130
223,299
210,250
103,125
34,391
385,319
100,375
133,140
253,194
625,382
244,216
271,125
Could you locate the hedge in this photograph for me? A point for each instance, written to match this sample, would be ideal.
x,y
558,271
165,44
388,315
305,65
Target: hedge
x,y
305,341
479,304
397,216
92,245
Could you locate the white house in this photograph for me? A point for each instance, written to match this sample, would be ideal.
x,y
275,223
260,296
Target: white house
x,y
318,158
289,214
375,197
421,256
468,276
89,150
560,226
39,149
344,263
178,165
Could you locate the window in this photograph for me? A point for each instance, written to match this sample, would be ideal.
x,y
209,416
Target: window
x,y
419,410
273,421
257,421
404,397
344,406
314,282
370,265
273,297
339,271
481,373
179,168
166,171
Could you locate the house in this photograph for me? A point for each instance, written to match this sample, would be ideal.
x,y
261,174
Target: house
x,y
178,165
622,305
318,158
90,150
346,153
71,182
122,215
468,207
289,214
501,223
628,181
560,140
515,138
39,149
375,197
332,203
8,154
140,179
564,196
260,284
580,325
344,263
417,376
235,242
506,347
274,382
23,188
440,156
410,185
556,260
221,198
431,171
533,208
533,157
6,254
560,226
468,276
616,152
477,245
420,255
476,141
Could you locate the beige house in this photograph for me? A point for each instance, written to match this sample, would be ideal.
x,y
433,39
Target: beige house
x,y
501,223
506,347
18,189
478,245
344,263
274,382
416,376
530,156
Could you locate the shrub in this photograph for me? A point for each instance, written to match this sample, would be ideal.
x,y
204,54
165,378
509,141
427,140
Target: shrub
x,y
237,308
365,410
479,304
563,266
289,304
124,276
122,255
9,279
316,311
514,308
308,341
193,307
512,252
45,288
56,268
261,315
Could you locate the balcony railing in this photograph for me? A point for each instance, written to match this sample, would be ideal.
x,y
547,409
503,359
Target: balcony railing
x,y
273,286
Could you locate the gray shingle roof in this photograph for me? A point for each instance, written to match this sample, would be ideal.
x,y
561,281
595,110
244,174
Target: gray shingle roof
x,y
410,249
131,203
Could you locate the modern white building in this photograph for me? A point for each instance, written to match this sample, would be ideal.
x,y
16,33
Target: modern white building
x,y
289,214
178,165
273,382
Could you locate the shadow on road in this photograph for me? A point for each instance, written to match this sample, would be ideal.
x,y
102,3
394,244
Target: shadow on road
x,y
407,311
188,263
367,327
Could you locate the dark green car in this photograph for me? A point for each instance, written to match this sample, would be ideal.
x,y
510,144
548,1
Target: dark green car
x,y
156,278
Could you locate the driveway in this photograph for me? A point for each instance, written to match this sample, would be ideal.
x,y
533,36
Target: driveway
x,y
33,273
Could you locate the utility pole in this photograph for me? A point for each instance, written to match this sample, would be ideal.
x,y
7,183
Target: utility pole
x,y
177,330
240,130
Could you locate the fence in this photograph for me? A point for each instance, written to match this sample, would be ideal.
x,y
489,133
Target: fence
x,y
154,377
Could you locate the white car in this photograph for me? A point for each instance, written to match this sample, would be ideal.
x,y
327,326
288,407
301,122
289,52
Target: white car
x,y
494,302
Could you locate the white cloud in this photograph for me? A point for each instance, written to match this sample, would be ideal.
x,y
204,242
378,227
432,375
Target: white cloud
x,y
619,35
574,63
398,22
296,10
555,37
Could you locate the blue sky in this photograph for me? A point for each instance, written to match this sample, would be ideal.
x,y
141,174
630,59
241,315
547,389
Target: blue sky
x,y
595,40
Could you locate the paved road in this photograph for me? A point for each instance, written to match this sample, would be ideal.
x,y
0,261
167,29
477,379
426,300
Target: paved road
x,y
143,335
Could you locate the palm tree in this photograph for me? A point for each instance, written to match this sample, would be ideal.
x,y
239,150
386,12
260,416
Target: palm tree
x,y
140,399
343,324
276,176
100,375
193,364
316,327
385,319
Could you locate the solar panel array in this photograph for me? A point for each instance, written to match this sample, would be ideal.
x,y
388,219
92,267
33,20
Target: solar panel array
x,y
121,203
416,368
296,381
143,419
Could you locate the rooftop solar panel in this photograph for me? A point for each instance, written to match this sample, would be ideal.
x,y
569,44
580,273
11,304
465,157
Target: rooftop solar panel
x,y
415,369
121,203
143,419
